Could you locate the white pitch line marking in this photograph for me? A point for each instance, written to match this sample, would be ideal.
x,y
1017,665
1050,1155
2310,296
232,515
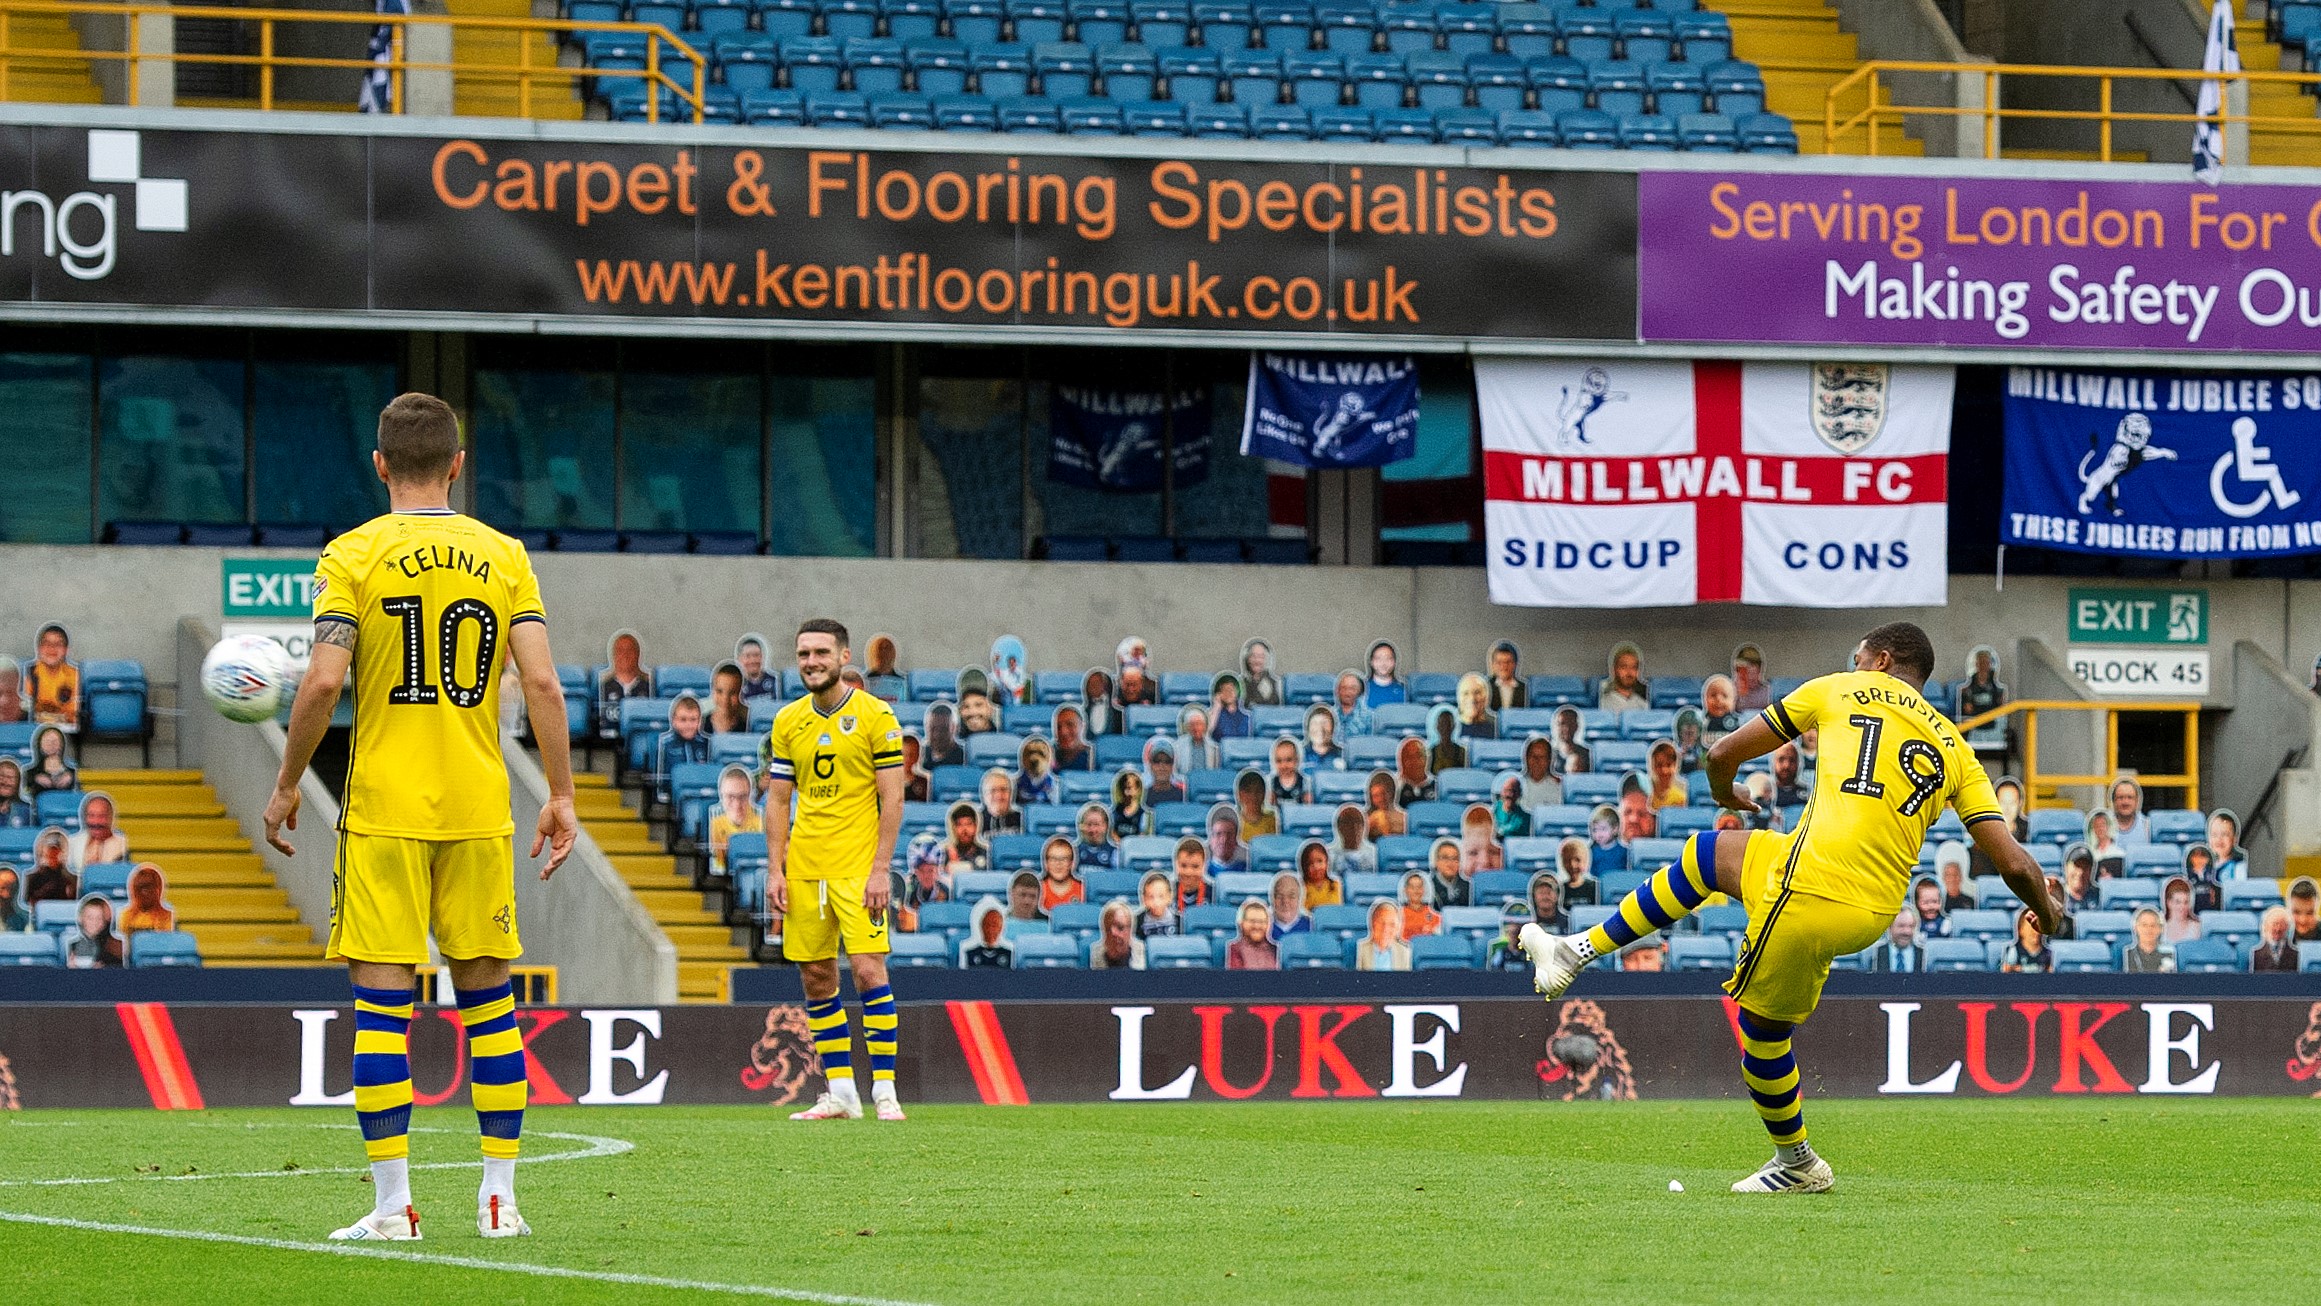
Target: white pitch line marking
x,y
597,1146
457,1262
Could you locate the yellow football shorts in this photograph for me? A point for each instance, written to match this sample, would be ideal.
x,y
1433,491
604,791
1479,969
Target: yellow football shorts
x,y
390,892
827,913
1792,937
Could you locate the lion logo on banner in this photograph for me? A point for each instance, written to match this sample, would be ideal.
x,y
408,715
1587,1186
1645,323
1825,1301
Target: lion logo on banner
x,y
782,1059
2305,1057
1584,1057
1849,404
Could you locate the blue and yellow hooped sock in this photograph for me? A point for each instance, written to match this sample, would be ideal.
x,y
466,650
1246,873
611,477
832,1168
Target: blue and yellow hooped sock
x,y
1673,893
495,1055
878,1033
833,1039
1769,1068
383,1071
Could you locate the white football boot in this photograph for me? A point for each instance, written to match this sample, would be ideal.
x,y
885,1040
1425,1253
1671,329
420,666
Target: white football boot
x,y
394,1226
499,1218
1554,962
890,1107
1775,1177
830,1107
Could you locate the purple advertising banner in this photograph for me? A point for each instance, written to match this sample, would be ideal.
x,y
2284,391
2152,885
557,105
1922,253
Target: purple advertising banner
x,y
1992,262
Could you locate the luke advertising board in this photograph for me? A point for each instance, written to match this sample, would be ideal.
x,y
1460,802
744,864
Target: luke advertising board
x,y
188,1056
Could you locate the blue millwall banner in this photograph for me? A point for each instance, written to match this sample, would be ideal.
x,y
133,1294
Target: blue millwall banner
x,y
1112,439
2163,464
1331,410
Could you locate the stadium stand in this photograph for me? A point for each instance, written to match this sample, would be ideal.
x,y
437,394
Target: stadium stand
x,y
226,900
704,942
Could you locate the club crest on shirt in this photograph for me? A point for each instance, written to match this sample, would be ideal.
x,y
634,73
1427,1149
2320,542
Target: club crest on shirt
x,y
846,725
824,741
1849,404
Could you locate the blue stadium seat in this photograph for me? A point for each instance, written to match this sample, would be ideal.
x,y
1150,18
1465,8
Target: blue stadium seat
x,y
1280,122
976,22
1131,72
2082,955
1225,26
1377,79
1253,78
202,534
1442,952
1466,127
1099,22
1182,687
163,948
928,949
1527,31
1767,133
1038,22
964,113
1409,29
1587,34
1347,26
1491,888
1648,131
902,113
54,916
1104,886
875,64
1191,75
1677,89
2128,894
38,948
911,20
774,108
1700,952
1704,38
1500,81
2202,956
1067,70
1408,719
2181,827
2056,825
1049,951
1956,954
2252,895
1547,692
1617,86
1311,951
1177,952
938,66
848,20
1002,72
1645,36
1283,24
1711,133
1217,121
1467,29
1092,117
1316,77
1438,78
1736,89
811,64
1160,23
781,19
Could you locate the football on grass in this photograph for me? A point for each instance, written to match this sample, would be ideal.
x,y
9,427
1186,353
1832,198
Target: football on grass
x,y
246,677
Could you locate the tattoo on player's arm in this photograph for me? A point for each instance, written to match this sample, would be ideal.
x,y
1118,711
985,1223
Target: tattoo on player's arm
x,y
341,633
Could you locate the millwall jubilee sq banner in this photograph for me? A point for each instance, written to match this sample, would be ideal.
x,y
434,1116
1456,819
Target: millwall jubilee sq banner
x,y
2163,464
726,226
1979,261
1663,484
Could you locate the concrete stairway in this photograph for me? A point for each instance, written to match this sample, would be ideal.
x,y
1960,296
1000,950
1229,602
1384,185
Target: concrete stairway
x,y
706,945
63,79
223,894
493,94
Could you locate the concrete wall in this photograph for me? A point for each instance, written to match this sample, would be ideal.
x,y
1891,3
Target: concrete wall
x,y
585,922
1916,30
2117,33
241,762
2278,720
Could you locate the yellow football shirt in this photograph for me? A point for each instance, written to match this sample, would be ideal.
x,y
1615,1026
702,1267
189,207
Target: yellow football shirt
x,y
1889,764
432,597
834,759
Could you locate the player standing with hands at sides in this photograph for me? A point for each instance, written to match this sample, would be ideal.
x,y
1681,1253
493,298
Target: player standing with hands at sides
x,y
840,752
428,604
1890,764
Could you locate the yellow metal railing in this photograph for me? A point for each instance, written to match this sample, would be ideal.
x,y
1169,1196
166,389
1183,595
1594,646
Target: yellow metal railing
x,y
2033,777
661,48
1839,125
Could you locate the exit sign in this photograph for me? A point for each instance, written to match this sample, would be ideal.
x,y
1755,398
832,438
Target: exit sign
x,y
2139,616
267,587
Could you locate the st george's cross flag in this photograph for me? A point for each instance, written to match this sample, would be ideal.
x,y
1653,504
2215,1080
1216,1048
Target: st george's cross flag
x,y
1614,483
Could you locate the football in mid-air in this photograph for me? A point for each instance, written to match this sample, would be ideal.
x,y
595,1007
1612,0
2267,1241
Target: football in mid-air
x,y
246,677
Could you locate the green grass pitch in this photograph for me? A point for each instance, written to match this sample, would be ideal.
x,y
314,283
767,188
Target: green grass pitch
x,y
2115,1201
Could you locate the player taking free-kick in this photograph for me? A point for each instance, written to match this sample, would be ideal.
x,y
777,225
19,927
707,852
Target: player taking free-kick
x,y
428,604
840,751
1890,764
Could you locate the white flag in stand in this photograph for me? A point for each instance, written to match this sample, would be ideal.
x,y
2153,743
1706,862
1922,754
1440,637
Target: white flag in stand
x,y
2222,57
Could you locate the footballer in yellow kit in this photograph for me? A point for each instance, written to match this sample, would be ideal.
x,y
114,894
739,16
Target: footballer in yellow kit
x,y
425,828
832,759
1889,764
426,607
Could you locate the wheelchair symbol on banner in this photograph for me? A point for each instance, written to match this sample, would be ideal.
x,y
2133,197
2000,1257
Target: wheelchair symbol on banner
x,y
2250,462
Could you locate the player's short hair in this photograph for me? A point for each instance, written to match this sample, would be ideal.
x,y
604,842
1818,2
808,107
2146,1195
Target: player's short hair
x,y
1903,641
830,626
418,434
